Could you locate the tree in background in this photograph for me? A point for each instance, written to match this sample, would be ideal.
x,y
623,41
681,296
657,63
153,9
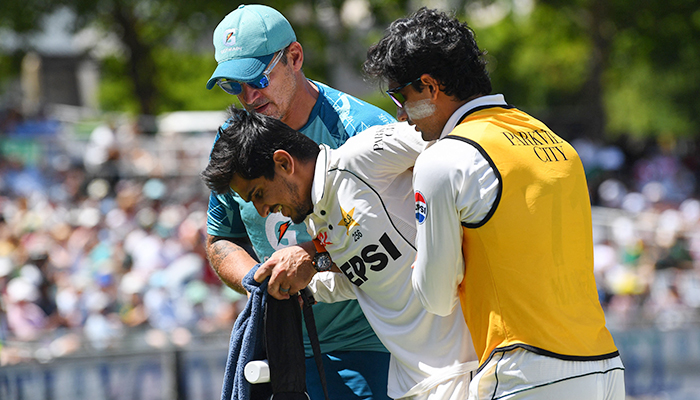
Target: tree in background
x,y
592,67
149,30
599,67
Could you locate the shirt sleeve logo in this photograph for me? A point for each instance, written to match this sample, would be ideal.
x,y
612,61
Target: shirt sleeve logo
x,y
421,208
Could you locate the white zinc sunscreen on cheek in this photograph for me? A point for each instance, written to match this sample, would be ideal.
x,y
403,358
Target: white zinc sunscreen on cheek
x,y
419,109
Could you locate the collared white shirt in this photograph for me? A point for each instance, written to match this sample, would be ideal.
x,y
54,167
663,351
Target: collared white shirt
x,y
364,214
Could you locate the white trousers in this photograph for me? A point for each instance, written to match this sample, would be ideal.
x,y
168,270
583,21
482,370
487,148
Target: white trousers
x,y
523,375
453,389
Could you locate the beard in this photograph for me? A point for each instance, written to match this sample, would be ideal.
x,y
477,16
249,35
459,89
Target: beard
x,y
301,205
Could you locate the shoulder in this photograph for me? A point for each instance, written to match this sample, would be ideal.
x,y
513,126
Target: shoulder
x,y
443,151
443,156
356,114
380,143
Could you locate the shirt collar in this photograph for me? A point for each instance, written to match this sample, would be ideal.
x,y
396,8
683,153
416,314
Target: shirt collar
x,y
320,174
489,100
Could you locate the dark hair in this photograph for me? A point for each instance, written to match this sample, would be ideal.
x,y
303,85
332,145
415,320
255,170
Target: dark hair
x,y
431,42
245,145
285,51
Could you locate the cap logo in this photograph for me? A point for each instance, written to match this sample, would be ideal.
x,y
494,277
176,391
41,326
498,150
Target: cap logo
x,y
230,37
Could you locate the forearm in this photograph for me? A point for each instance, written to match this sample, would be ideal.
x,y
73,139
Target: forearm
x,y
230,261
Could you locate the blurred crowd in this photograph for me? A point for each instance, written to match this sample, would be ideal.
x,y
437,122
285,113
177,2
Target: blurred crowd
x,y
101,246
102,238
646,230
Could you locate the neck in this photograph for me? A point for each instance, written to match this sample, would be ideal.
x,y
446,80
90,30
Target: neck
x,y
451,104
303,102
307,171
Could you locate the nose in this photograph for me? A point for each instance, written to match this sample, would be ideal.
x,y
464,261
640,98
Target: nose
x,y
401,114
248,94
262,209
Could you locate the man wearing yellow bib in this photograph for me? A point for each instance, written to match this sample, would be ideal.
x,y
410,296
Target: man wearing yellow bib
x,y
504,221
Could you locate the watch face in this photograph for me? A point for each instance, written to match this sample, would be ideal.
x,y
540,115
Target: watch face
x,y
322,262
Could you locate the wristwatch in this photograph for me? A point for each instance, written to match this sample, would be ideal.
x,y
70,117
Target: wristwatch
x,y
322,261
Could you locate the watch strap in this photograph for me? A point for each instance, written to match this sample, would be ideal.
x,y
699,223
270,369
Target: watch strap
x,y
319,247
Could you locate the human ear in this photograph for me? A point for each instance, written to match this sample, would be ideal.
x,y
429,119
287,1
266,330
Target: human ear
x,y
431,84
295,56
284,162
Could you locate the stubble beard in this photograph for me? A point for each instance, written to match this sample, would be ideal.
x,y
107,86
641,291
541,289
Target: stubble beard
x,y
301,207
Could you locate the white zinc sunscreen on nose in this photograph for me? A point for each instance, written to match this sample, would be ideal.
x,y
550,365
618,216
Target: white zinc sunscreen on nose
x,y
419,109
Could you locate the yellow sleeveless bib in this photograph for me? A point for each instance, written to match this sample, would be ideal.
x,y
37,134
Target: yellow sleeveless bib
x,y
529,267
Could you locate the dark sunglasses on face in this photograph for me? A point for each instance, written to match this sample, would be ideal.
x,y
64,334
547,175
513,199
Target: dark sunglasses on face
x,y
397,96
233,87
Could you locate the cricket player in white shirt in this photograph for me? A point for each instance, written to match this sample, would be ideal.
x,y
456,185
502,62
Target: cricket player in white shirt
x,y
357,201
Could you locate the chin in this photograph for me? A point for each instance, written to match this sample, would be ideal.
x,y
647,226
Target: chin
x,y
298,219
428,137
301,217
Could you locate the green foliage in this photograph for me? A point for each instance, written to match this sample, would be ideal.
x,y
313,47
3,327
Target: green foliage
x,y
653,78
181,72
9,68
116,90
638,106
538,61
181,81
24,15
631,65
646,96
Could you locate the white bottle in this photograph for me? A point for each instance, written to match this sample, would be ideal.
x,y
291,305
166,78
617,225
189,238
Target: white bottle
x,y
257,371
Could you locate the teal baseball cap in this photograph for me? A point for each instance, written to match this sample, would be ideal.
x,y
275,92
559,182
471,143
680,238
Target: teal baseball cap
x,y
246,40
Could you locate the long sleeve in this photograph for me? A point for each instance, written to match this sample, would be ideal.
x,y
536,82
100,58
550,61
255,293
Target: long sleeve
x,y
454,184
331,287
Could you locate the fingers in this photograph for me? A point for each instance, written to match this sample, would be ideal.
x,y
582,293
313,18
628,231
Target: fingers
x,y
288,272
274,287
279,292
263,272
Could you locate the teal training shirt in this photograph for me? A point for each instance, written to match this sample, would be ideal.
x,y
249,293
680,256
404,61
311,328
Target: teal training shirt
x,y
336,116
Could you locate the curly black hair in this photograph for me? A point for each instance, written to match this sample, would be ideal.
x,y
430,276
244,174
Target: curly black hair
x,y
434,43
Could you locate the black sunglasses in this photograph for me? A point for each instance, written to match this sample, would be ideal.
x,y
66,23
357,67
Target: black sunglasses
x,y
395,95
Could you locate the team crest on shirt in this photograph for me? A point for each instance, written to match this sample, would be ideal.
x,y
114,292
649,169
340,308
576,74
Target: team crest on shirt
x,y
348,221
421,208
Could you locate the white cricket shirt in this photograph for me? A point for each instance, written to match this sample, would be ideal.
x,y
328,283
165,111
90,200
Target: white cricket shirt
x,y
364,214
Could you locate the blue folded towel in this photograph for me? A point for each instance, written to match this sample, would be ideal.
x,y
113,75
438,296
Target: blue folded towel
x,y
247,340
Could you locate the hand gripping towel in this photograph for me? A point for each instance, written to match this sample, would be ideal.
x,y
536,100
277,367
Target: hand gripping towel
x,y
270,329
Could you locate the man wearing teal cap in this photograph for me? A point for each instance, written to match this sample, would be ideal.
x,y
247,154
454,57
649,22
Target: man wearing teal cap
x,y
260,61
